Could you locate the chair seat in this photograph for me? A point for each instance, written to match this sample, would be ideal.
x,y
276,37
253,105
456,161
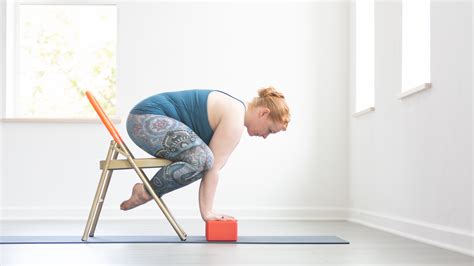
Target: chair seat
x,y
141,163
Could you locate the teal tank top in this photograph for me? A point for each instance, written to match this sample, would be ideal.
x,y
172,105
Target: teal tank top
x,y
188,107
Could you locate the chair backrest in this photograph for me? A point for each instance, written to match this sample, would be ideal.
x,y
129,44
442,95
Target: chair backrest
x,y
104,118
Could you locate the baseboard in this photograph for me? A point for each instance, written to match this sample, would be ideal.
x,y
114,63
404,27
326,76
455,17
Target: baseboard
x,y
441,236
153,213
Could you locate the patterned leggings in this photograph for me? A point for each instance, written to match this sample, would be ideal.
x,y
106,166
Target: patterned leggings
x,y
167,138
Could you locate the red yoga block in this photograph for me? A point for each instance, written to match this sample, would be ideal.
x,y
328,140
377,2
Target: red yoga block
x,y
221,230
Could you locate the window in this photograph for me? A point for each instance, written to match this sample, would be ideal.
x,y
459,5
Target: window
x,y
55,53
364,67
415,44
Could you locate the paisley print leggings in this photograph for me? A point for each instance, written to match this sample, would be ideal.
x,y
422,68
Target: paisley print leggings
x,y
167,138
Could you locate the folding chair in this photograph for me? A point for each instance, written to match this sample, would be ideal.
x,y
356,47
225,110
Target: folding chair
x,y
117,146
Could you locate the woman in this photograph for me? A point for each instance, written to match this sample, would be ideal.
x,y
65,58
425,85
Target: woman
x,y
198,130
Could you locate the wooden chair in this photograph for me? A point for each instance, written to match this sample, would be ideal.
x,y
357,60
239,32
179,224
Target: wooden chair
x,y
117,146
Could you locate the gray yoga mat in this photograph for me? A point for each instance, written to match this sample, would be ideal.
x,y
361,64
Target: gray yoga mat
x,y
169,239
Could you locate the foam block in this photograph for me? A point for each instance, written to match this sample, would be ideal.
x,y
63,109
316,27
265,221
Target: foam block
x,y
221,230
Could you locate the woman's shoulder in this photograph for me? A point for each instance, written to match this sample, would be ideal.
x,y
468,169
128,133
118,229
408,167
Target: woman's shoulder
x,y
225,103
222,106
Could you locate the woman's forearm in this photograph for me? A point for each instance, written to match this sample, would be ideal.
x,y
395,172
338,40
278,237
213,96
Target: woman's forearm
x,y
207,191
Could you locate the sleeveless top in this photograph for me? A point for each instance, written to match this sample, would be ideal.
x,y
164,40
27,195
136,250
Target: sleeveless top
x,y
188,107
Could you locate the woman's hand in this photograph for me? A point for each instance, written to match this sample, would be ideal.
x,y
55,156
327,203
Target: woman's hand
x,y
216,216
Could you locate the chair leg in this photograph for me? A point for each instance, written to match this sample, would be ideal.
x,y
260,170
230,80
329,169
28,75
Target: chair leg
x,y
146,182
102,196
93,214
168,211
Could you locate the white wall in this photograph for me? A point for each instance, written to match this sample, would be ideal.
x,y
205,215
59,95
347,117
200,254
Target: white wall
x,y
2,86
472,106
302,49
411,159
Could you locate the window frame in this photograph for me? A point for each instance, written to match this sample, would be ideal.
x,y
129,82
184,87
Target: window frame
x,y
10,49
367,106
406,91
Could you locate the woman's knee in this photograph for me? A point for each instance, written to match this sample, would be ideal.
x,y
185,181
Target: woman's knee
x,y
200,157
209,160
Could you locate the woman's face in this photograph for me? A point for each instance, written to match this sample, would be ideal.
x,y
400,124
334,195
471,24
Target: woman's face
x,y
262,125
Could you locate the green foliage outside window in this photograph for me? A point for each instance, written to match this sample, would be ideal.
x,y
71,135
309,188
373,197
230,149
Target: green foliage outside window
x,y
64,51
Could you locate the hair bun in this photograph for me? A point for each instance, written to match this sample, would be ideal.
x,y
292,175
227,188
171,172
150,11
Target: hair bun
x,y
270,92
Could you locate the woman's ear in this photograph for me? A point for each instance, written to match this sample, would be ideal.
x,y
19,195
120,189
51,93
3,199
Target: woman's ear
x,y
263,112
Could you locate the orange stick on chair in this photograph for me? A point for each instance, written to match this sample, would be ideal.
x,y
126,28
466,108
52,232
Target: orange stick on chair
x,y
105,119
118,146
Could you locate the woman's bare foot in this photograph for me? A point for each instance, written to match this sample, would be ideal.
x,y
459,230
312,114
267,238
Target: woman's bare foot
x,y
139,197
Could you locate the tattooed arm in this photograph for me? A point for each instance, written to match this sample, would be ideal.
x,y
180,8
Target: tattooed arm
x,y
226,137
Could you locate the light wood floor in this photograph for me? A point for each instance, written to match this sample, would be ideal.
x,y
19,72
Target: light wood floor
x,y
368,246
